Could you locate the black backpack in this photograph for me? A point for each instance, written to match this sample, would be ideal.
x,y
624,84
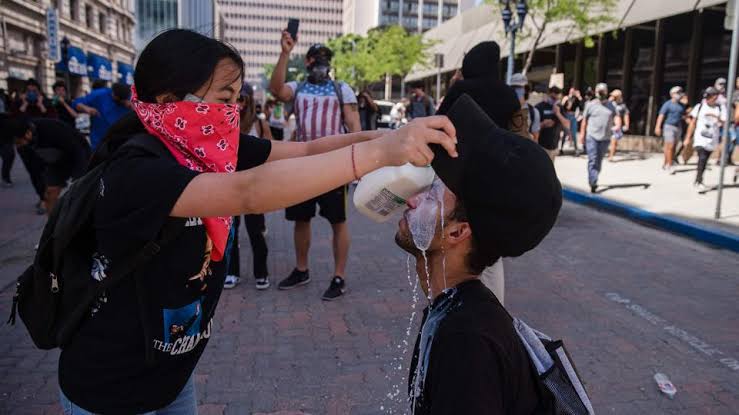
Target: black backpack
x,y
55,293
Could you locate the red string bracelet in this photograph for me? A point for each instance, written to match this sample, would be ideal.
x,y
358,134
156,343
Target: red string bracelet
x,y
354,165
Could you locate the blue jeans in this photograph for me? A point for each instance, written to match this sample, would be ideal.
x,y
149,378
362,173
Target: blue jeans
x,y
596,150
573,129
185,404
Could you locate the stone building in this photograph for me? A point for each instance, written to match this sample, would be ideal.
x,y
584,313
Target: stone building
x,y
95,37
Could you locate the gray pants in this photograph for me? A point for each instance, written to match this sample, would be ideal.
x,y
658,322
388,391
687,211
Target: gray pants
x,y
596,150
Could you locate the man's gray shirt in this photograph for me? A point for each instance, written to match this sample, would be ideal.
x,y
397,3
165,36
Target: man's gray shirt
x,y
599,116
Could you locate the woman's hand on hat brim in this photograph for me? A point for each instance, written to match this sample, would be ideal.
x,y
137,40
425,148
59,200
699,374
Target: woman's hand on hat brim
x,y
410,143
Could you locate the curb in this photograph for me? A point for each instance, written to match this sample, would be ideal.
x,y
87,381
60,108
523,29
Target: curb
x,y
709,235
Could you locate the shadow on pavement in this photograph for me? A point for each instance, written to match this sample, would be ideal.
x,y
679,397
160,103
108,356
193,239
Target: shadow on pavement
x,y
630,157
607,187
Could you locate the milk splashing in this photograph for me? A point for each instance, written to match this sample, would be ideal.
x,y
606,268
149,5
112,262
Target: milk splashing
x,y
396,396
422,224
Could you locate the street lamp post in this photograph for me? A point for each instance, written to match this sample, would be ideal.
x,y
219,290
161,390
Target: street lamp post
x,y
512,27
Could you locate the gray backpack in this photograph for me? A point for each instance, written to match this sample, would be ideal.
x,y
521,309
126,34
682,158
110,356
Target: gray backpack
x,y
555,370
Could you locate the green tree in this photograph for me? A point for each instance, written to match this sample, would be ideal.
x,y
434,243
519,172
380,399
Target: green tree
x,y
586,16
362,60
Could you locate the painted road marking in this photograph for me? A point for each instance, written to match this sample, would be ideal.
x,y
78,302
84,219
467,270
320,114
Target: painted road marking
x,y
693,341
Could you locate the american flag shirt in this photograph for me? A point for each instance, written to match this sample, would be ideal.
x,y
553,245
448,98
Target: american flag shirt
x,y
317,109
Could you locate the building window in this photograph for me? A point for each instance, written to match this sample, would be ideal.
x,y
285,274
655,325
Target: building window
x,y
102,23
74,10
89,18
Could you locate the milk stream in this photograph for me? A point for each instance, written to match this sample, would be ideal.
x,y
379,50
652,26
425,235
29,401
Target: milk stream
x,y
397,396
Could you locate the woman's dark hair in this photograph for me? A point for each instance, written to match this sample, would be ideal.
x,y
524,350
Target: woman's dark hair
x,y
176,62
480,256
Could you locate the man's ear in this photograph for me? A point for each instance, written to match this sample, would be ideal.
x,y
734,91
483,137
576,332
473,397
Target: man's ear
x,y
457,232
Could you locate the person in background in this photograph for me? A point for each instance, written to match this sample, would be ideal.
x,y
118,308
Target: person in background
x,y
623,111
276,118
32,102
61,105
551,121
600,120
7,151
322,107
669,126
63,152
368,110
571,104
253,126
98,84
420,104
481,81
704,131
4,99
720,86
520,85
105,106
398,113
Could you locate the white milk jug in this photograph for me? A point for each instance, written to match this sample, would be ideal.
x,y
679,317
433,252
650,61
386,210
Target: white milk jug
x,y
385,191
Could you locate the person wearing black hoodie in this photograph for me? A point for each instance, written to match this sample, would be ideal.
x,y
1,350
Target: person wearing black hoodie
x,y
481,81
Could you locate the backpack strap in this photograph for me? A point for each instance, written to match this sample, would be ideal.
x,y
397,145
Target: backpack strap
x,y
340,96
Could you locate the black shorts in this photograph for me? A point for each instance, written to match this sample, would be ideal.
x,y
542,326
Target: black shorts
x,y
332,207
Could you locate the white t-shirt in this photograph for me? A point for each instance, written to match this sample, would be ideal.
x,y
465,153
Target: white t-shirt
x,y
317,109
707,126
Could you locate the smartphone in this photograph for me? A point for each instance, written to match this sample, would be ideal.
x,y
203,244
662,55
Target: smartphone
x,y
292,28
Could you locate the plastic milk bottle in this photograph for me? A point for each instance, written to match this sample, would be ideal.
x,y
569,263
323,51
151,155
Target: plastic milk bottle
x,y
384,191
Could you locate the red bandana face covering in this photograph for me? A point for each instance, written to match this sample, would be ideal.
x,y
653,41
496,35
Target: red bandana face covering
x,y
203,137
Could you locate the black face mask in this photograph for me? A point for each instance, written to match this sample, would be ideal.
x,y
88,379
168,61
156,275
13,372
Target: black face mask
x,y
318,70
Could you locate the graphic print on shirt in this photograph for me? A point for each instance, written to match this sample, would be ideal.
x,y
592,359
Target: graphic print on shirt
x,y
182,329
100,264
318,111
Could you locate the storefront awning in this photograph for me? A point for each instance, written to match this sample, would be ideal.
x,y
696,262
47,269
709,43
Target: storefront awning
x,y
125,73
456,36
76,63
99,67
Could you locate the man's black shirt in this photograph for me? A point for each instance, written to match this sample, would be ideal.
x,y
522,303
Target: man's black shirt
x,y
477,364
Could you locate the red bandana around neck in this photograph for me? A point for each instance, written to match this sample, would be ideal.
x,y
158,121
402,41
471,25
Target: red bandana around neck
x,y
203,137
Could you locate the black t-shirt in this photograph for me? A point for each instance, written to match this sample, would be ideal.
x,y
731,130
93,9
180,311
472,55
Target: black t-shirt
x,y
56,142
548,137
103,369
477,364
62,113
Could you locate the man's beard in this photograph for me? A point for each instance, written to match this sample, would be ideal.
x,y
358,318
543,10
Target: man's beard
x,y
405,241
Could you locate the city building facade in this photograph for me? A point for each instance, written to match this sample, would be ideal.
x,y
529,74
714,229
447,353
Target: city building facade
x,y
647,48
415,15
155,16
94,38
253,27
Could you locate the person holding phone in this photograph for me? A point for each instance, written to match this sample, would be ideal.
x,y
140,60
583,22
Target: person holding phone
x,y
136,353
322,107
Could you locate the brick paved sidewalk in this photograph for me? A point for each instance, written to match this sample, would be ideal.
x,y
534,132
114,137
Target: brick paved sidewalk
x,y
628,300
